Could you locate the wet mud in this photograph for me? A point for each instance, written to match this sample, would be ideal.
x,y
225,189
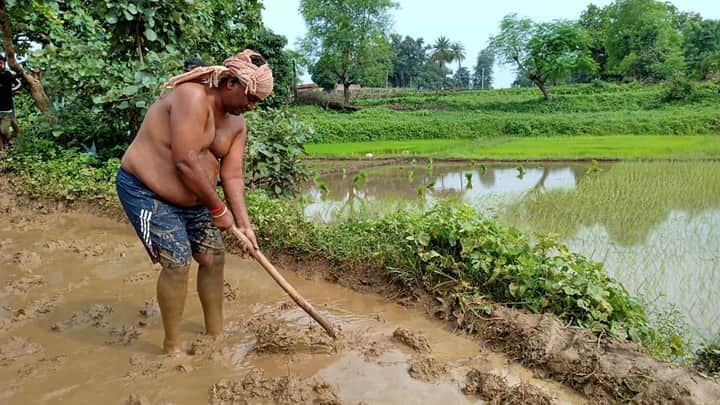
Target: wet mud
x,y
605,369
79,324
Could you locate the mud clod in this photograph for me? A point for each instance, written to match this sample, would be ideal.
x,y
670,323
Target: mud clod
x,y
208,346
27,260
496,391
413,340
18,347
256,388
24,284
124,335
278,337
230,292
428,369
151,308
94,316
136,399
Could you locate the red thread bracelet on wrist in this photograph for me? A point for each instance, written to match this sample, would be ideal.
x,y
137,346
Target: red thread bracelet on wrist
x,y
217,210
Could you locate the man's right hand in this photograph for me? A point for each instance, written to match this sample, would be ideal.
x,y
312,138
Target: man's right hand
x,y
225,221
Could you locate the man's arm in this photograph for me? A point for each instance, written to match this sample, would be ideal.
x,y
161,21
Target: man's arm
x,y
188,119
233,182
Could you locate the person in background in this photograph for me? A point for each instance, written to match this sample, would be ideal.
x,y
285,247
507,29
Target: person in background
x,y
192,63
8,83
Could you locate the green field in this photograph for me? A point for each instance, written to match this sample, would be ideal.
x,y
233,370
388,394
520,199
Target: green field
x,y
534,148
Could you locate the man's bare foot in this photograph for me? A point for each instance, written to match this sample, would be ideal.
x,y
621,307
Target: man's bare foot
x,y
171,347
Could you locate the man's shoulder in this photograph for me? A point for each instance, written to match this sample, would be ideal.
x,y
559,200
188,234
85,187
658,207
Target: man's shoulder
x,y
237,124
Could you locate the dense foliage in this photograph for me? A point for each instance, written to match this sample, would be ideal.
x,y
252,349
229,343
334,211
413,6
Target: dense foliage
x,y
644,40
103,62
272,161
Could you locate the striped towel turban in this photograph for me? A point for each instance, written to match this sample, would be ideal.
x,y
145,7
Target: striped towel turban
x,y
248,67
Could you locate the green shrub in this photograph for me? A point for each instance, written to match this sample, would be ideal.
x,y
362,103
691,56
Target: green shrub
x,y
678,88
274,151
707,359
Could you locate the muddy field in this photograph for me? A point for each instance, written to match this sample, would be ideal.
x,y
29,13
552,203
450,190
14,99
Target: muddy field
x,y
79,324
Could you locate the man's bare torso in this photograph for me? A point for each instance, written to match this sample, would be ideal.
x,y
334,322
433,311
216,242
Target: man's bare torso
x,y
149,156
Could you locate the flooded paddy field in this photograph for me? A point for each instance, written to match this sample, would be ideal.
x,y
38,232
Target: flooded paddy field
x,y
79,324
655,225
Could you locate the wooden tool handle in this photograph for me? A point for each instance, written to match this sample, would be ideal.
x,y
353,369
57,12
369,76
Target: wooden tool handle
x,y
302,303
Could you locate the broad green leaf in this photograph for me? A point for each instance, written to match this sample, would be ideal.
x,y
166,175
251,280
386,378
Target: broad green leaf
x,y
130,90
150,35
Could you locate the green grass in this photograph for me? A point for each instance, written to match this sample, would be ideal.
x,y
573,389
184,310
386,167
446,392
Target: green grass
x,y
535,148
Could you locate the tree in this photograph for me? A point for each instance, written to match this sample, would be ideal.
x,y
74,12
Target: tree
x,y
441,51
547,52
457,50
701,47
342,38
433,76
595,21
643,42
483,74
410,58
462,78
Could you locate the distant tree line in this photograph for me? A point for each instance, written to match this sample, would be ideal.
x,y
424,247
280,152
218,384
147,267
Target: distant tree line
x,y
348,42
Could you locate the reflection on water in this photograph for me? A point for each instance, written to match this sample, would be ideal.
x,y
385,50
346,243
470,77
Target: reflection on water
x,y
656,226
390,187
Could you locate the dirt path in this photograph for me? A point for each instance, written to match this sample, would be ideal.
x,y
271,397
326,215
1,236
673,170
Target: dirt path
x,y
79,324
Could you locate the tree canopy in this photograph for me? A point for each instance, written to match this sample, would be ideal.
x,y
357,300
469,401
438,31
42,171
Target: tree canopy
x,y
347,41
547,53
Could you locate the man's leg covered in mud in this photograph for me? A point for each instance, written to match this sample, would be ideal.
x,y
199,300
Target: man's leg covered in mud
x,y
171,292
210,283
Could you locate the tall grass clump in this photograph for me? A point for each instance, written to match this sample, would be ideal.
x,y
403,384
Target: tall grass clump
x,y
629,199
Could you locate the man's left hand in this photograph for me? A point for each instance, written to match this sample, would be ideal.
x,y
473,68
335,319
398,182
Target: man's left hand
x,y
250,235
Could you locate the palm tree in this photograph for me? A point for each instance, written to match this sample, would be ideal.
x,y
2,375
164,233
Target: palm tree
x,y
457,52
441,52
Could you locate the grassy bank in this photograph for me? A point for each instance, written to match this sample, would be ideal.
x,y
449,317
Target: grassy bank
x,y
629,109
534,148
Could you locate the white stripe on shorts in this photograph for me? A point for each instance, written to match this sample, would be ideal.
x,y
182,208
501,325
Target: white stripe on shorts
x,y
145,216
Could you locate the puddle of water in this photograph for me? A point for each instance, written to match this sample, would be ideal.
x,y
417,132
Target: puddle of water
x,y
88,278
656,226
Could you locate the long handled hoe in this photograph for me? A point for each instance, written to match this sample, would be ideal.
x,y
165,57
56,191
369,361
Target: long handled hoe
x,y
265,263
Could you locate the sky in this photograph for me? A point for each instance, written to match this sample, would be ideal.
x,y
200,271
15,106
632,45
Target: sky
x,y
471,22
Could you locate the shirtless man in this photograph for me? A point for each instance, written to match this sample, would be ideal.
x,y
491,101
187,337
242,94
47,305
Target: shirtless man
x,y
168,175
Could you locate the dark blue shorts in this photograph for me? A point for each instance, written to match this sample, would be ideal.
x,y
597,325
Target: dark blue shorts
x,y
171,234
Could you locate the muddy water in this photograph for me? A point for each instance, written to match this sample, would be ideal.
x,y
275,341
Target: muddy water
x,y
78,324
654,225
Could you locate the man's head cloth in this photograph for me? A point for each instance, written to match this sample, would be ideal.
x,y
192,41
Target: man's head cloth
x,y
248,67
